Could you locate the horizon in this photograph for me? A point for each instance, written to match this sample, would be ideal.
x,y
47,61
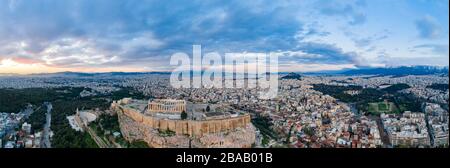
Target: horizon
x,y
312,36
280,72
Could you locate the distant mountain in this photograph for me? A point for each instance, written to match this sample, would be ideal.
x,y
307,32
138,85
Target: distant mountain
x,y
83,74
399,71
292,75
9,74
394,71
136,73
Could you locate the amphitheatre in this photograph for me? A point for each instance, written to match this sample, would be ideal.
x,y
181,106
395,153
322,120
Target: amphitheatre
x,y
160,123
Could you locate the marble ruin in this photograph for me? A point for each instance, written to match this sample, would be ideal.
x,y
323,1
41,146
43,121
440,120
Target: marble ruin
x,y
156,123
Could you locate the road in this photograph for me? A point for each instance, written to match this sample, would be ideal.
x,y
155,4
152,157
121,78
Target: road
x,y
45,141
383,133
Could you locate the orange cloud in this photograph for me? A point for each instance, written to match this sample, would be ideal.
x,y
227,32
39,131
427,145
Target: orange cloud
x,y
30,66
22,60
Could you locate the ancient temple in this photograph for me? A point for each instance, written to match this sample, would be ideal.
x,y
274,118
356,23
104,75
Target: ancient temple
x,y
166,106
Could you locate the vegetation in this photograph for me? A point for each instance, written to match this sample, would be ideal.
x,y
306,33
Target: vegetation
x,y
396,87
408,102
14,100
95,126
66,137
138,144
109,122
309,131
382,107
403,101
442,87
37,119
265,140
292,75
335,91
65,101
289,134
166,133
122,141
125,92
264,125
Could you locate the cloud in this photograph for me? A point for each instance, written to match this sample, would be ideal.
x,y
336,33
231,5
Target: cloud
x,y
428,27
404,61
429,54
313,67
310,30
319,53
438,49
91,32
103,33
69,52
26,60
349,10
12,4
362,42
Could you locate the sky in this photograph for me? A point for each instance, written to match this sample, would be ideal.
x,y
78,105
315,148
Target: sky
x,y
38,36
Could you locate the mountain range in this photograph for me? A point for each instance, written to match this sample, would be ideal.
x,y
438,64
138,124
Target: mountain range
x,y
385,71
399,71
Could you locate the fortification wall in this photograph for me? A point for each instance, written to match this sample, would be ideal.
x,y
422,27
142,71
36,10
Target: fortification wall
x,y
188,127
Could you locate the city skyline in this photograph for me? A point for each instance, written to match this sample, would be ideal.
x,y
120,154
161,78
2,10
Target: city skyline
x,y
136,36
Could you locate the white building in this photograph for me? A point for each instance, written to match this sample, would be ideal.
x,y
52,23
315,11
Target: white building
x,y
26,127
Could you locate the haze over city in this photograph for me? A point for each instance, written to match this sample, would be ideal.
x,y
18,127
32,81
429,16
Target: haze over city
x,y
308,36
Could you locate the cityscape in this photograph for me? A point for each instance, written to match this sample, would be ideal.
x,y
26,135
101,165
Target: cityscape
x,y
143,110
340,74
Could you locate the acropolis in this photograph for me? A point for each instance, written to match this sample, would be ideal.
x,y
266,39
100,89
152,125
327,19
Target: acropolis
x,y
158,123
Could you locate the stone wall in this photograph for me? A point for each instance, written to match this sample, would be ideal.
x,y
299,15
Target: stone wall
x,y
188,127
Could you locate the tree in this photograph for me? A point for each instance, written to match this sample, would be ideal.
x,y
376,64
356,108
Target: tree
x,y
309,131
183,115
289,134
138,144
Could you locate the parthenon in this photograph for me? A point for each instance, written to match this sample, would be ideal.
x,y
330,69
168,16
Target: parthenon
x,y
166,106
